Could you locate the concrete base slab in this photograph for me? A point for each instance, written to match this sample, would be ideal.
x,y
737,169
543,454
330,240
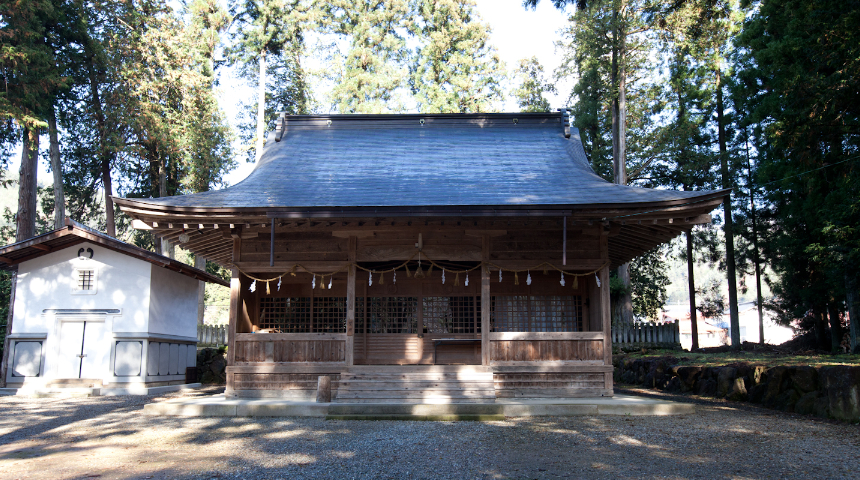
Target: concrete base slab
x,y
219,406
141,390
95,392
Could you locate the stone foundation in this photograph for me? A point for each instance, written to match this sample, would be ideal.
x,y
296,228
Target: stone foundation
x,y
829,391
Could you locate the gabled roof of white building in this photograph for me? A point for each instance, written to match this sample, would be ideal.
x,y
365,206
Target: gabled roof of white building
x,y
74,233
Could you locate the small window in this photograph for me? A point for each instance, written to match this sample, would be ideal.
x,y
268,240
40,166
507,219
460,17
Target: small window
x,y
85,281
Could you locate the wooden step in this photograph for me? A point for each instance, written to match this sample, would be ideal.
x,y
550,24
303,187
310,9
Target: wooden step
x,y
418,385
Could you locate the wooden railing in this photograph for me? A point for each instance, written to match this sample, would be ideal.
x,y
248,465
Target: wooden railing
x,y
211,335
290,348
546,348
665,335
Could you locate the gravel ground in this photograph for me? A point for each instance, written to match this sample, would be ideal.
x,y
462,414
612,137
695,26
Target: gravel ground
x,y
108,437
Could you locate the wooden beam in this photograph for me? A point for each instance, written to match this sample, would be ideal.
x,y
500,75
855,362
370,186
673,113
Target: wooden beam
x,y
237,250
353,233
489,233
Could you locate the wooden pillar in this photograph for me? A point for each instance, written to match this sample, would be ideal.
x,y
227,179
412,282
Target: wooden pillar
x,y
485,301
350,305
235,299
605,313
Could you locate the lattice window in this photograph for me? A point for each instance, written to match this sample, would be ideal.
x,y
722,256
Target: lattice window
x,y
451,314
85,279
390,314
537,313
329,314
285,314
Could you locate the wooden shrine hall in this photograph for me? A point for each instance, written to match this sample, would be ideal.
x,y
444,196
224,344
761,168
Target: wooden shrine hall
x,y
422,258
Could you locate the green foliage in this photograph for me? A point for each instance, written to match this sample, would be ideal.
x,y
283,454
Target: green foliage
x,y
532,87
606,32
455,69
368,75
274,29
648,282
712,304
5,297
799,80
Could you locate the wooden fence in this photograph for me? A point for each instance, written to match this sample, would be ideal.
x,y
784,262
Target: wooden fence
x,y
666,335
211,335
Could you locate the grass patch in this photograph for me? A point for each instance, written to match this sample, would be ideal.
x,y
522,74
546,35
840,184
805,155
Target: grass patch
x,y
766,358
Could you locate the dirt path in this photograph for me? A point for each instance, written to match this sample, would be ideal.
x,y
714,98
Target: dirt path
x,y
108,437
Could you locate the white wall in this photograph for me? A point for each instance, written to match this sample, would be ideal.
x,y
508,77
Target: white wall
x,y
173,309
152,300
48,282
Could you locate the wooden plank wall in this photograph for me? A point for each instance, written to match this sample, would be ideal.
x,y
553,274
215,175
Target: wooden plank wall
x,y
511,352
289,348
403,349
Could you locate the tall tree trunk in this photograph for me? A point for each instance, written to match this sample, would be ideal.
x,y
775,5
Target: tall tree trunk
x,y
57,169
104,154
162,192
691,285
4,366
835,326
853,310
821,342
261,106
728,229
756,252
619,146
25,220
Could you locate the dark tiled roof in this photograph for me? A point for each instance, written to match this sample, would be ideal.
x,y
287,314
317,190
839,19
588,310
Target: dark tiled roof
x,y
74,233
397,161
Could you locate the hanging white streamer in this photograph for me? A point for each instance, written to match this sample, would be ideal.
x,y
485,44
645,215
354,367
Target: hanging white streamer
x,y
253,286
329,281
596,278
395,276
369,279
529,278
467,279
314,283
562,279
443,276
279,283
500,275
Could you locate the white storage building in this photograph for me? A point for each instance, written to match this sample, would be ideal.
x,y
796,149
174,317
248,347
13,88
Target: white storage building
x,y
91,311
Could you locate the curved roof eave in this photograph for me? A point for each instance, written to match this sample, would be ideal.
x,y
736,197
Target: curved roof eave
x,y
420,164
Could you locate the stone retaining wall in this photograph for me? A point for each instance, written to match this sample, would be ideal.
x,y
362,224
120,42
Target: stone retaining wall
x,y
830,391
212,365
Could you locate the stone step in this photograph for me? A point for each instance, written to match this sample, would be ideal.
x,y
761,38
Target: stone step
x,y
425,400
383,383
403,393
408,376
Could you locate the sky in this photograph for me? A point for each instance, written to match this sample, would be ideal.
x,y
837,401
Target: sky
x,y
517,33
